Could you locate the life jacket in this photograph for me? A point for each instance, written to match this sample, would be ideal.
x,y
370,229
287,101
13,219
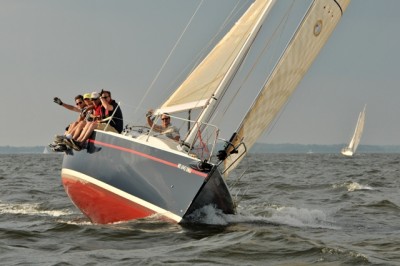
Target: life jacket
x,y
99,111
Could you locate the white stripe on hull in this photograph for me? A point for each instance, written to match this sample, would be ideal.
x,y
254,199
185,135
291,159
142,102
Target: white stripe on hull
x,y
88,179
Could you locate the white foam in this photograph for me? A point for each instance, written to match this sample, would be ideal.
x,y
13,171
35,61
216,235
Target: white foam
x,y
301,217
30,209
353,186
298,217
76,222
209,215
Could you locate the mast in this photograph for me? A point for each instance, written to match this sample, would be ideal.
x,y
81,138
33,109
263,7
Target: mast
x,y
213,101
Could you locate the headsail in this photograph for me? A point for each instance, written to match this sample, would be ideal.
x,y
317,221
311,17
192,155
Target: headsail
x,y
313,32
208,82
202,83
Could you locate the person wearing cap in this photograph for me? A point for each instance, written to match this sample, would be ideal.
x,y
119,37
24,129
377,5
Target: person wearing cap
x,y
94,108
102,109
87,98
86,116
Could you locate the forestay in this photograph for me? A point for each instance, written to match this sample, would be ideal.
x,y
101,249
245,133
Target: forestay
x,y
311,35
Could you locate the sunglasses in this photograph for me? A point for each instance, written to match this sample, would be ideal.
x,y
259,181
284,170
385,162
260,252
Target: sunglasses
x,y
78,103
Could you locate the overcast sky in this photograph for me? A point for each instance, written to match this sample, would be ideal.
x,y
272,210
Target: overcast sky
x,y
68,47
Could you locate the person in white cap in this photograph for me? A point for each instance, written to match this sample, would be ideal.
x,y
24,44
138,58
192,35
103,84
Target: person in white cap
x,y
102,110
76,130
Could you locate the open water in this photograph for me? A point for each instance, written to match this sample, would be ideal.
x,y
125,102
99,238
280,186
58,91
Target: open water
x,y
294,209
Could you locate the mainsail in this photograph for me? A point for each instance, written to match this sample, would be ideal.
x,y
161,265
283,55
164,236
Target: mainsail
x,y
313,32
355,140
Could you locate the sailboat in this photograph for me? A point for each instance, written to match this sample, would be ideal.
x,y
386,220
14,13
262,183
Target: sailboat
x,y
355,140
141,173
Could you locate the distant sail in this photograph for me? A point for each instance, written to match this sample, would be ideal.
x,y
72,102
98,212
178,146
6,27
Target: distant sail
x,y
355,140
310,37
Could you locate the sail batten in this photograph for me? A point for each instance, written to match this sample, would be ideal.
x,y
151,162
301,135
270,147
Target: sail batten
x,y
181,107
313,32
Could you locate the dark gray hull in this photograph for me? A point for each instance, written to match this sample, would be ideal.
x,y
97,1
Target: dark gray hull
x,y
119,178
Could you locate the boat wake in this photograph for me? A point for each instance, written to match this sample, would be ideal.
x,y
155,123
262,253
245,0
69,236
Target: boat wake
x,y
299,217
291,216
33,209
208,215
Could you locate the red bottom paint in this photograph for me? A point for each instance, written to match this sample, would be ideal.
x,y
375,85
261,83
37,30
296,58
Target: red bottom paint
x,y
100,205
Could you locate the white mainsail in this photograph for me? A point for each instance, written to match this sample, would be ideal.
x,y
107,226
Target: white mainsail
x,y
355,140
313,32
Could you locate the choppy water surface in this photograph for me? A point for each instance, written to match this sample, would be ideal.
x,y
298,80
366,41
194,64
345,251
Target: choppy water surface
x,y
295,209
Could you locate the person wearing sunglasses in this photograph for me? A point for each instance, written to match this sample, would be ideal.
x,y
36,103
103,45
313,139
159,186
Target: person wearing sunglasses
x,y
165,128
79,103
80,107
85,117
95,114
112,110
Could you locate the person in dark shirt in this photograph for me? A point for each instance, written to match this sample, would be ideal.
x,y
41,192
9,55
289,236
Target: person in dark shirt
x,y
113,110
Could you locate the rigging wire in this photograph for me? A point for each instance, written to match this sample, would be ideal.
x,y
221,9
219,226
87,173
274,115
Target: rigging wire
x,y
279,30
234,12
197,59
272,126
240,5
168,57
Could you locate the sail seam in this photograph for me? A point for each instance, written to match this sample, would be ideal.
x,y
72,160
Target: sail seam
x,y
341,10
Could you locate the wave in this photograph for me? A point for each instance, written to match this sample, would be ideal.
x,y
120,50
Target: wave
x,y
387,204
352,186
31,209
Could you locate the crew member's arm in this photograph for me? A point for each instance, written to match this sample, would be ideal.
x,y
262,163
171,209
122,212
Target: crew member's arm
x,y
106,104
150,121
67,106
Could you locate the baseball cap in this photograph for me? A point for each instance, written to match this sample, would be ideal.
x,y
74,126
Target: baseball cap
x,y
95,95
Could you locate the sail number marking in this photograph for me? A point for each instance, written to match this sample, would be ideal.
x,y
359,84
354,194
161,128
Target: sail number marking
x,y
185,168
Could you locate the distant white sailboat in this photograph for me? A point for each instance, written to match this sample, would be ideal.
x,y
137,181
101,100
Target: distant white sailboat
x,y
47,150
355,140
